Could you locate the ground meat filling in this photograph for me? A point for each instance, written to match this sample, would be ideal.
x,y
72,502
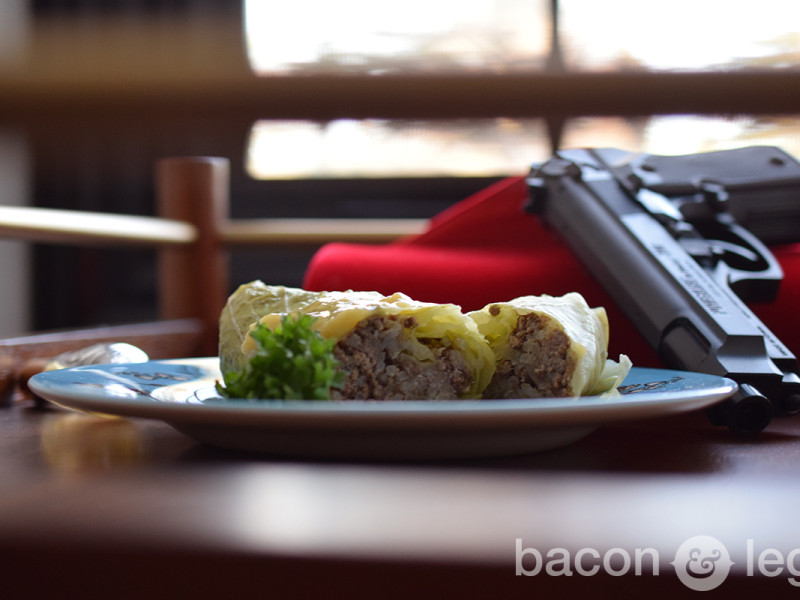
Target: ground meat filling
x,y
539,363
379,365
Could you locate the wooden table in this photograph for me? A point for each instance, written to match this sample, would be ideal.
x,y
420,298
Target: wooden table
x,y
127,508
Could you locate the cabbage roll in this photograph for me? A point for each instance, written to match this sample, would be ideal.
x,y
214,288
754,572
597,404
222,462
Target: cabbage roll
x,y
548,346
389,347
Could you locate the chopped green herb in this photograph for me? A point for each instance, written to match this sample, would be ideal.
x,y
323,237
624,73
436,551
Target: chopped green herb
x,y
293,362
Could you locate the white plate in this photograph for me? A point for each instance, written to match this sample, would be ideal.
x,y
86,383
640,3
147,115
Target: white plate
x,y
181,393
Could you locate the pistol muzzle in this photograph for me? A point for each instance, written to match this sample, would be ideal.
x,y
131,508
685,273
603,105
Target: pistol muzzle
x,y
747,412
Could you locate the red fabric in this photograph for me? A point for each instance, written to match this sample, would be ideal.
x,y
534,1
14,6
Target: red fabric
x,y
486,249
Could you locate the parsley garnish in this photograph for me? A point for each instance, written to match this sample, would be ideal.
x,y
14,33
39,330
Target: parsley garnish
x,y
293,362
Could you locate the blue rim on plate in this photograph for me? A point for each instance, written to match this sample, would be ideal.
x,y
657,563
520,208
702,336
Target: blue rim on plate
x,y
181,393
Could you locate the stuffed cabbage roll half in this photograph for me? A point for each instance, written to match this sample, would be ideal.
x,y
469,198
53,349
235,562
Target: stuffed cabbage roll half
x,y
389,347
549,346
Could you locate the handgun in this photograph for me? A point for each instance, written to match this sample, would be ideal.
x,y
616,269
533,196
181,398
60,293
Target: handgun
x,y
680,243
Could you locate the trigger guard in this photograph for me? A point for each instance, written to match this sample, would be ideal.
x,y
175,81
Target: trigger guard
x,y
754,285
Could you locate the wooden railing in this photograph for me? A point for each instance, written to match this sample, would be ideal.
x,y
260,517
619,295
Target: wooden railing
x,y
439,96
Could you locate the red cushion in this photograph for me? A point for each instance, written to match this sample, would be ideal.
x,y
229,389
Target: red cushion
x,y
487,249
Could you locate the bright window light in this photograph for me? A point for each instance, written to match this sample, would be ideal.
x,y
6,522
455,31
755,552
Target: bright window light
x,y
386,149
378,37
680,34
684,134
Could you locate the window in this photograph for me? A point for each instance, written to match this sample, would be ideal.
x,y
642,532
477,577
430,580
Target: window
x,y
505,36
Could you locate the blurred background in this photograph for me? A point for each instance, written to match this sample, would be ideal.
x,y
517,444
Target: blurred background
x,y
94,157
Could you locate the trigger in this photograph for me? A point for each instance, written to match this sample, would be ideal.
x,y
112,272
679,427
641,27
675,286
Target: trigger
x,y
735,255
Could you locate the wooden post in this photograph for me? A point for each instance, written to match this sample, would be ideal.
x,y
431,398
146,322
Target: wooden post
x,y
193,279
